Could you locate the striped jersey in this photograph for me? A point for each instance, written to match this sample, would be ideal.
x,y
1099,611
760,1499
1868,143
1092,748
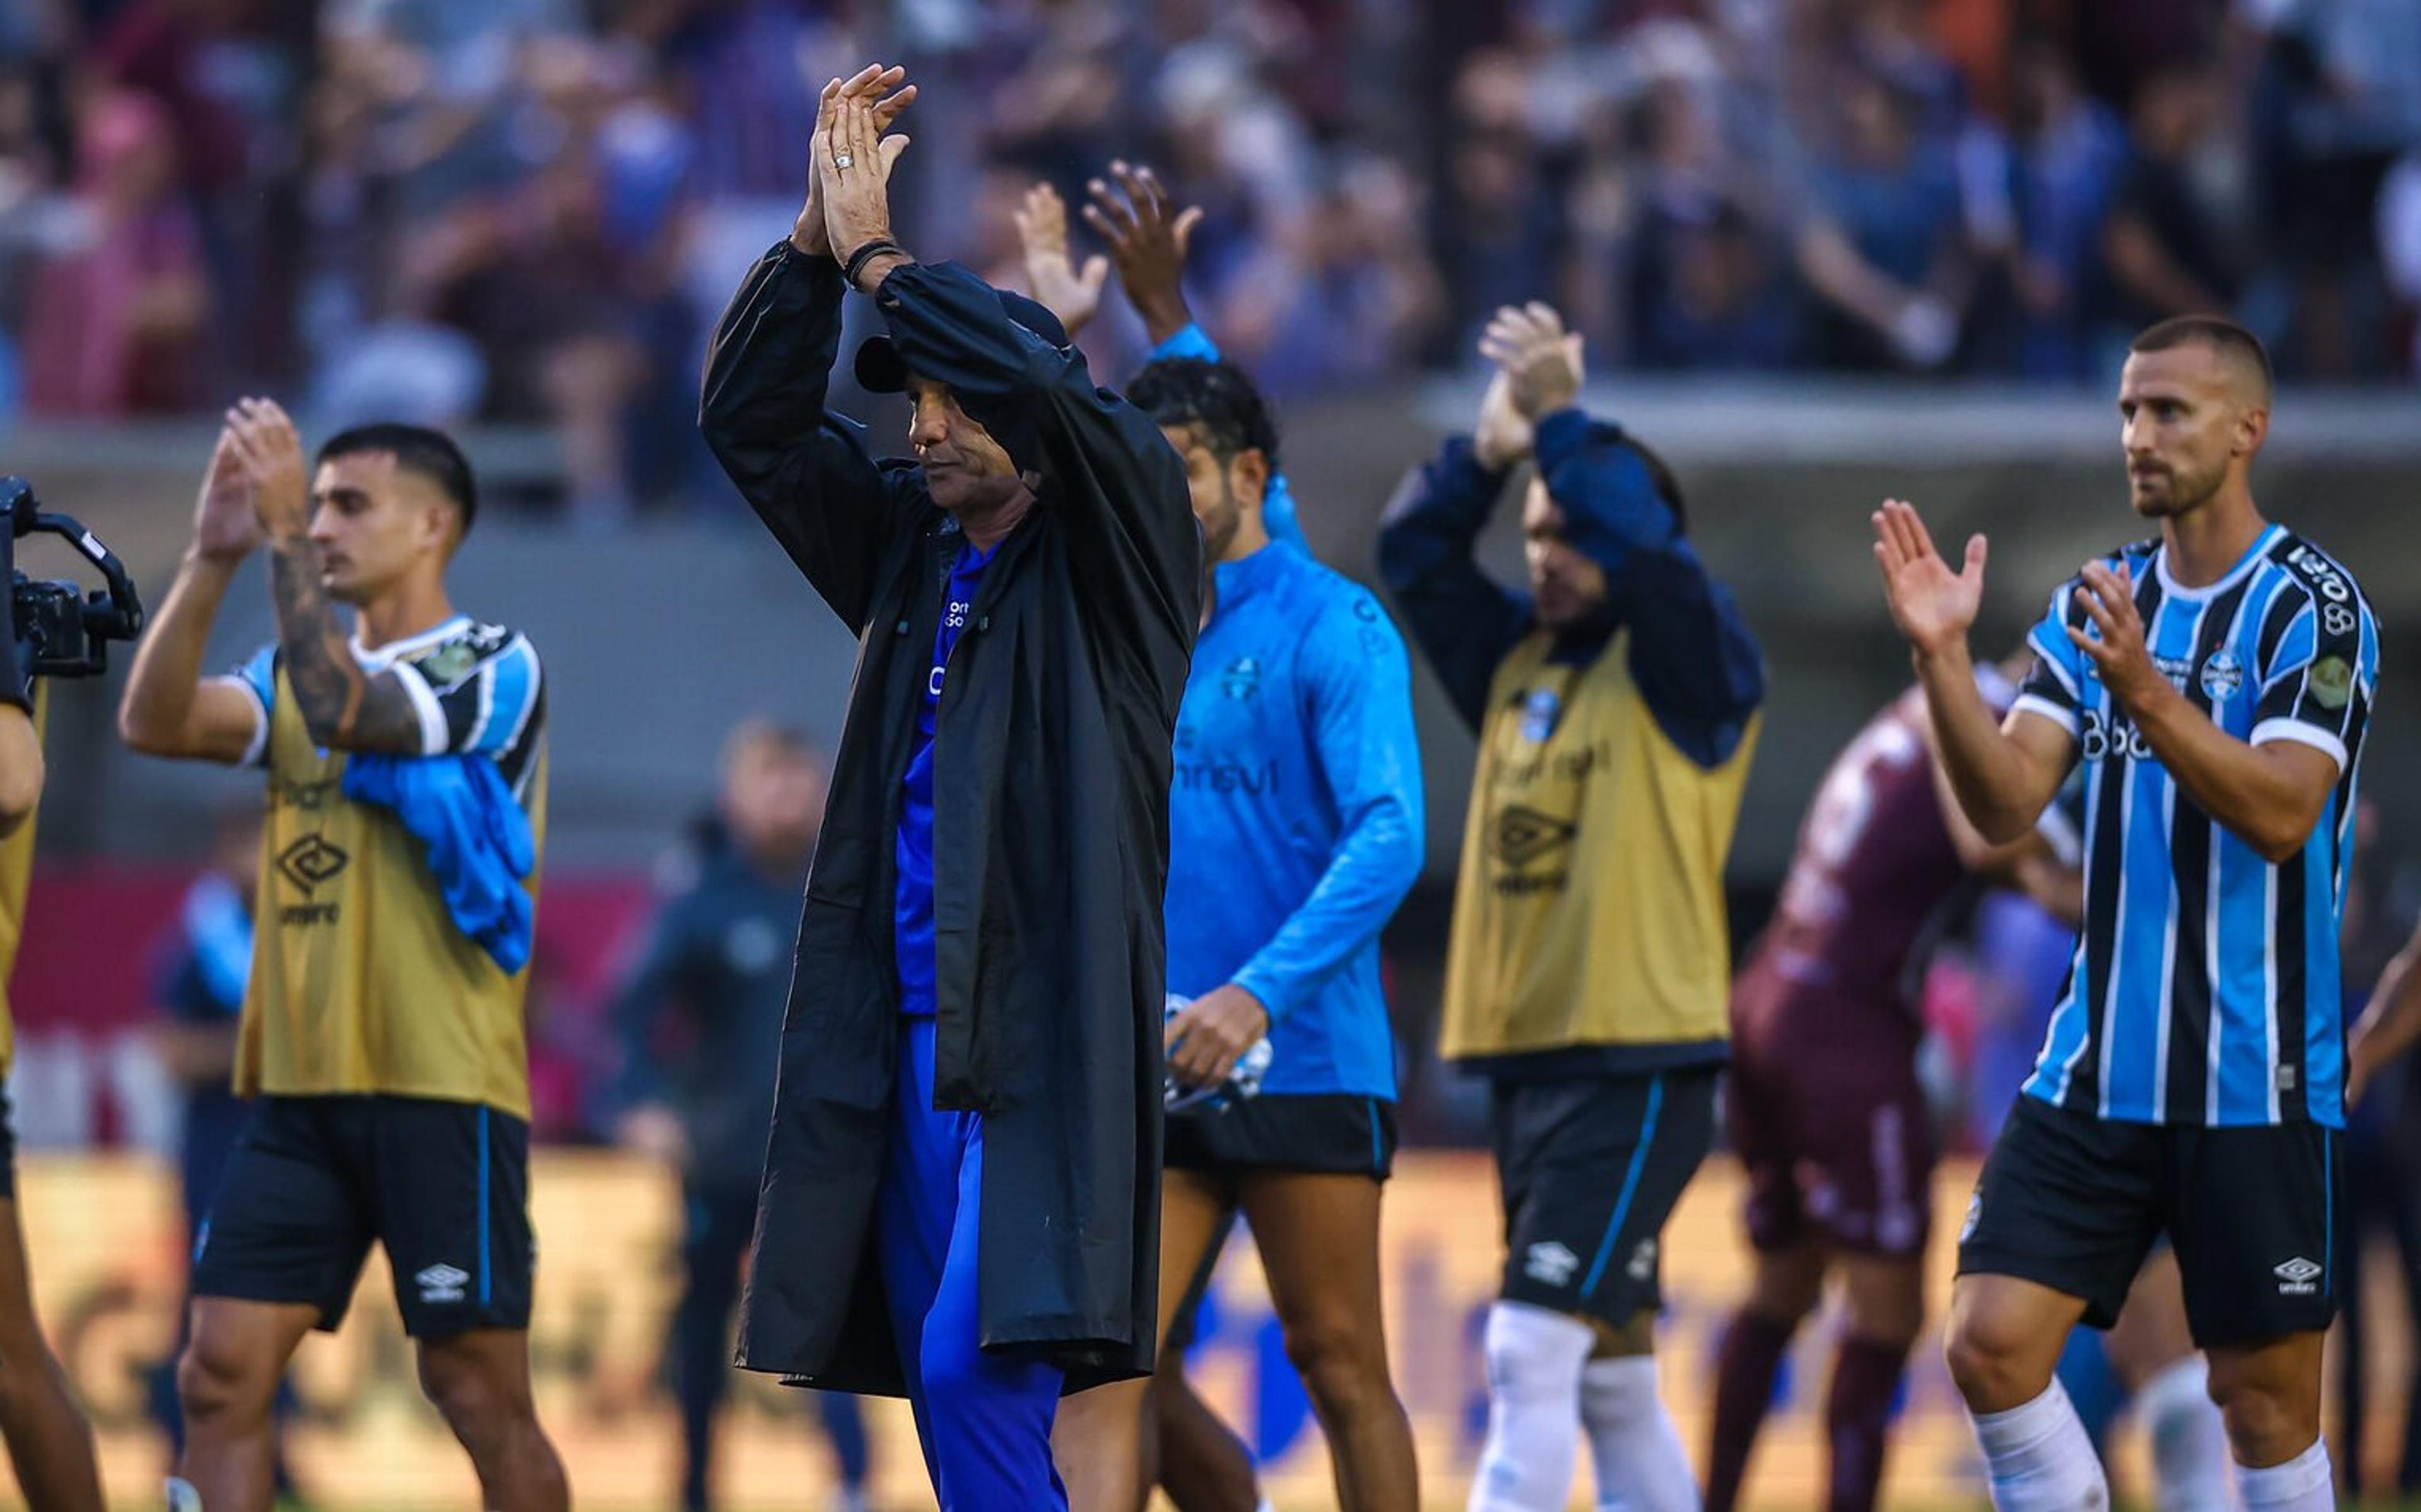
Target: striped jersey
x,y
2203,989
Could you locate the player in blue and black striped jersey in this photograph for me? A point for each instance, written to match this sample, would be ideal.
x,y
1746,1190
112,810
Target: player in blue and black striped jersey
x,y
2214,682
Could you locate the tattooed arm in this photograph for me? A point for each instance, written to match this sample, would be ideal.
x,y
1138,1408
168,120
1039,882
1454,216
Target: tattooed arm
x,y
344,707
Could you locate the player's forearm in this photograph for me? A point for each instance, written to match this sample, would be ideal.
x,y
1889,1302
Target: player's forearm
x,y
342,707
20,769
770,365
153,711
2245,789
1990,774
2391,1022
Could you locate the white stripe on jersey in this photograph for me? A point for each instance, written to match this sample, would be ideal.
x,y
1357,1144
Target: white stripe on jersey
x,y
2167,1021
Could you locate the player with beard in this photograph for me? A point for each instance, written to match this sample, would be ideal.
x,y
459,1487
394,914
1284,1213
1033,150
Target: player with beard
x,y
2216,682
1615,702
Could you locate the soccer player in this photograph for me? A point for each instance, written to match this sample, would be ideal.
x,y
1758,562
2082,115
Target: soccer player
x,y
962,1193
1295,831
716,970
49,1444
2215,681
385,1041
1615,702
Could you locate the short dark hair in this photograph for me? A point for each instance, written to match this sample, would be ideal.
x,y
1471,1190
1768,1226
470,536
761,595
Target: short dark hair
x,y
2218,333
1215,398
416,449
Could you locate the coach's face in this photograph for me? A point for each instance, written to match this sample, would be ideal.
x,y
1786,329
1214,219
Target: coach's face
x,y
1566,587
2188,420
964,467
375,523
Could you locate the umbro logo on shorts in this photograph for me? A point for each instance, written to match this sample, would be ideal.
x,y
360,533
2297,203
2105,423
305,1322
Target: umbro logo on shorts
x,y
1550,1264
442,1283
2297,1277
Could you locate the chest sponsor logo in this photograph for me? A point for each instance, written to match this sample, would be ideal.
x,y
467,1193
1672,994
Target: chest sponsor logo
x,y
1524,836
1550,1264
2106,736
2222,673
310,861
1256,779
308,865
1241,678
310,797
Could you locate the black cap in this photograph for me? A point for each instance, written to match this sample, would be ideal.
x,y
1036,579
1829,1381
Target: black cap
x,y
880,370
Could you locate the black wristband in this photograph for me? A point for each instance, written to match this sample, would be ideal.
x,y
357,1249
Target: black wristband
x,y
858,260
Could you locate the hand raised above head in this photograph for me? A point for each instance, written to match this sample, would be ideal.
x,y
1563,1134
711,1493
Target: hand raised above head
x,y
1147,240
890,93
1542,361
1051,270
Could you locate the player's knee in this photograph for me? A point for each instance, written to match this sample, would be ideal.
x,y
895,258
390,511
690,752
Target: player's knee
x,y
218,1380
2269,1421
1344,1374
481,1410
1990,1360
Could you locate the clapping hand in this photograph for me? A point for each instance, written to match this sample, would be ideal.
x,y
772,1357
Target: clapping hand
x,y
1933,606
1541,360
1147,243
269,453
883,92
1051,272
225,527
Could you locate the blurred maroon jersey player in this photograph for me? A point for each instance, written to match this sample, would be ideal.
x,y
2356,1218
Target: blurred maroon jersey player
x,y
1823,1102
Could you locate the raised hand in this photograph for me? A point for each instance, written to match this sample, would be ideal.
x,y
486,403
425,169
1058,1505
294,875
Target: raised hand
x,y
1050,271
1933,606
855,170
1540,359
1147,243
268,452
225,527
891,95
1504,435
2117,648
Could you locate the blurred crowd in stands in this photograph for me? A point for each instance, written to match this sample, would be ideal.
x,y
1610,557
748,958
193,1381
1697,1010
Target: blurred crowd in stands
x,y
532,210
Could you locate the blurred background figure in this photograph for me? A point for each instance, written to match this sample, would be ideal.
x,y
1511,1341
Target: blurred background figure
x,y
699,1017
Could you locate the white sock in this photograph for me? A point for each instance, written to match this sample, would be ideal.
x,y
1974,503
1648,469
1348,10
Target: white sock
x,y
1534,1408
2040,1457
2189,1438
1641,1466
2302,1483
181,1495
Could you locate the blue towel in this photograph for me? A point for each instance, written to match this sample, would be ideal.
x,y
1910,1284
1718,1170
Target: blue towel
x,y
480,848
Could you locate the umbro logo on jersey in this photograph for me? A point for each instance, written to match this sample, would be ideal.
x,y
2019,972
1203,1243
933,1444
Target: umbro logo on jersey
x,y
1525,835
1241,679
442,1283
1643,1260
310,861
1550,1264
2297,1277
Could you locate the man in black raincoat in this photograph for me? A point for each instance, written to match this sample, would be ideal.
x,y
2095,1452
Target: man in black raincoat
x,y
970,1069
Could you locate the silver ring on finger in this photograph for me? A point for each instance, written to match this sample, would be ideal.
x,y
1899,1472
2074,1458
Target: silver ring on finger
x,y
842,160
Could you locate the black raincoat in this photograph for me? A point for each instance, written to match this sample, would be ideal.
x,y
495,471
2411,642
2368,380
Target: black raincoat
x,y
1049,826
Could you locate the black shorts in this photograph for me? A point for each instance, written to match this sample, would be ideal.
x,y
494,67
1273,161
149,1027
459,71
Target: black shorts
x,y
2075,1203
1310,1133
315,1180
1591,1166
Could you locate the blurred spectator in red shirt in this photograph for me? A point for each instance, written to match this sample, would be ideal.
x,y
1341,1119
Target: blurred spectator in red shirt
x,y
119,300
